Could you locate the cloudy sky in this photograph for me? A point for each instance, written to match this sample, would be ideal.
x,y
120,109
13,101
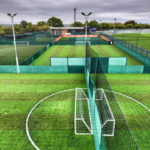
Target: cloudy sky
x,y
105,10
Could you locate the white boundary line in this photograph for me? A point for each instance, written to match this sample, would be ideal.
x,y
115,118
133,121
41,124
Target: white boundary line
x,y
27,131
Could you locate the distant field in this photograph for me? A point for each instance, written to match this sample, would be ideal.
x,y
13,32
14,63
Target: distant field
x,y
42,39
82,38
136,86
23,51
143,39
79,51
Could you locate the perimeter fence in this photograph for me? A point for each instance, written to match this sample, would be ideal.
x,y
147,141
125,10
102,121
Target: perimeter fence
x,y
134,50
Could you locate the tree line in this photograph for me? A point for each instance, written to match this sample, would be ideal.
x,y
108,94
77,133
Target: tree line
x,y
127,25
26,27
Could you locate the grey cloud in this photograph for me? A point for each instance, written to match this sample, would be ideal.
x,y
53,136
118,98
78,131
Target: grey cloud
x,y
63,9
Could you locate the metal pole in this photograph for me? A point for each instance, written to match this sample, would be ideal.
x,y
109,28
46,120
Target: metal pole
x,y
15,46
51,30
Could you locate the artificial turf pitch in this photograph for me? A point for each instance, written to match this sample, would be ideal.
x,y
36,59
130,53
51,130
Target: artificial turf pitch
x,y
141,40
51,124
136,86
7,52
79,51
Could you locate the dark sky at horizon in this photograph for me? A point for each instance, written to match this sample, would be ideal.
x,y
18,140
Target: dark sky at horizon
x,y
105,10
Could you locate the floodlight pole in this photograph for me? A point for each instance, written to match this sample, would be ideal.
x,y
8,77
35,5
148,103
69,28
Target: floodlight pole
x,y
51,29
100,25
14,41
114,28
86,16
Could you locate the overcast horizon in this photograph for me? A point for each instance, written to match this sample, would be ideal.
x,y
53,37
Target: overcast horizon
x,y
104,10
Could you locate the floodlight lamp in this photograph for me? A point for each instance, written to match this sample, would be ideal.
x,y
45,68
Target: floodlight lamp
x,y
114,18
14,14
83,13
9,14
90,13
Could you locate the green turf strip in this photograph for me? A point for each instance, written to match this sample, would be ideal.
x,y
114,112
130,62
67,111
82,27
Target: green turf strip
x,y
64,52
45,56
136,86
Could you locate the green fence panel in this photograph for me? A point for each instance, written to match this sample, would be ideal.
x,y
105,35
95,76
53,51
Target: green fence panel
x,y
8,69
134,69
99,43
104,60
26,69
76,61
116,69
58,69
134,54
146,69
75,69
117,61
105,68
58,61
65,43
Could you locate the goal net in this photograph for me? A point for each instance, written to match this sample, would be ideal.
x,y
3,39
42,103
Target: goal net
x,y
105,113
82,42
146,31
22,43
41,35
82,118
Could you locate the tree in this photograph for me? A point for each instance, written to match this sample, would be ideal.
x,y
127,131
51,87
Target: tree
x,y
33,28
29,24
147,26
137,26
56,22
8,30
41,23
23,24
93,24
16,27
105,26
120,26
129,26
131,22
78,24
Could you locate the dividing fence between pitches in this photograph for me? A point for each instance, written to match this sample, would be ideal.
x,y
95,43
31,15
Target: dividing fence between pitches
x,y
95,80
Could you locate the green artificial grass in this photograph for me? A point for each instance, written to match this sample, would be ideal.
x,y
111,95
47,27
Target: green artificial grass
x,y
79,51
7,53
51,124
113,51
136,86
59,51
141,40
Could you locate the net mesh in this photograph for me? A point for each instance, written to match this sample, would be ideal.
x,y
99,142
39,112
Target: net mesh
x,y
123,137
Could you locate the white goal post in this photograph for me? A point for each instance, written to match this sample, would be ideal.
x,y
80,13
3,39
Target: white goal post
x,y
41,35
82,117
82,42
105,112
22,43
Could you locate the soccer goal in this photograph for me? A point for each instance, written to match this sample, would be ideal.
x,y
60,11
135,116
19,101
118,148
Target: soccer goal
x,y
82,42
146,31
105,113
82,118
22,43
41,35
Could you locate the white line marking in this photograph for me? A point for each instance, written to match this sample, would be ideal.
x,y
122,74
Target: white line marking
x,y
130,98
27,131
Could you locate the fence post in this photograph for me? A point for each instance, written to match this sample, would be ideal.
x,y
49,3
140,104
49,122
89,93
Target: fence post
x,y
137,42
12,60
33,61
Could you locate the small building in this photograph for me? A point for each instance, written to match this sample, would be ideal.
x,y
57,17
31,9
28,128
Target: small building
x,y
64,30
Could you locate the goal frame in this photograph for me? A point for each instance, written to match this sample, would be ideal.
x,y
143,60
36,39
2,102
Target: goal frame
x,y
21,42
82,42
75,114
112,116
